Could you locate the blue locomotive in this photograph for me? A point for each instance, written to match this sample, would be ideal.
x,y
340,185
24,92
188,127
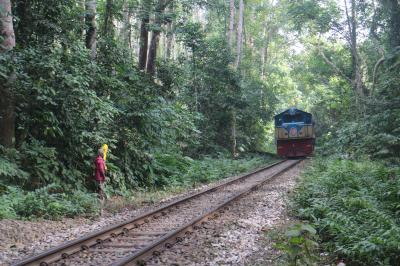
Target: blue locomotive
x,y
294,133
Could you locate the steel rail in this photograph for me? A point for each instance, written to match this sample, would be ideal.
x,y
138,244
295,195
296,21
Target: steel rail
x,y
167,241
83,243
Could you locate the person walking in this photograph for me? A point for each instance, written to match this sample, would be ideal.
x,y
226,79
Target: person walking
x,y
100,176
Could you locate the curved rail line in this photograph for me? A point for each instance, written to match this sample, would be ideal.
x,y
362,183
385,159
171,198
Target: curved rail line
x,y
158,241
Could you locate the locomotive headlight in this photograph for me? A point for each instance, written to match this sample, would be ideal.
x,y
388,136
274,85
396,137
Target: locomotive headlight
x,y
293,132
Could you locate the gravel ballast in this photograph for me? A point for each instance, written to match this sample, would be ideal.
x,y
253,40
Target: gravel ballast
x,y
19,239
233,239
238,236
172,220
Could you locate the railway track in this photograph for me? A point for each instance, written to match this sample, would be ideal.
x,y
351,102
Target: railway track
x,y
134,241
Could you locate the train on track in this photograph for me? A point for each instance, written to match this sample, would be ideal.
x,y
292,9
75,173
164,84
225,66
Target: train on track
x,y
294,133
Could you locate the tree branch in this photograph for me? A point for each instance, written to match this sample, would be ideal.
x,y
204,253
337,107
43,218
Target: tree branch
x,y
374,75
376,68
331,64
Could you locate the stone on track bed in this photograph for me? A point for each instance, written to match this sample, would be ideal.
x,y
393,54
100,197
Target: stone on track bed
x,y
174,219
237,236
19,239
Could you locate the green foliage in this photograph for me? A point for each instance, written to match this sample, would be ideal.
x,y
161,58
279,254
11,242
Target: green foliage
x,y
68,104
317,15
50,202
355,208
57,145
172,169
300,245
9,198
10,171
210,169
375,132
213,88
41,162
350,123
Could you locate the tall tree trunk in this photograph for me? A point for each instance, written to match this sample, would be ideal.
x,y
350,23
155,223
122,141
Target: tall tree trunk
x,y
7,101
144,33
357,82
239,40
108,19
264,57
152,56
170,40
231,21
194,82
169,37
6,27
7,112
81,30
91,27
233,133
264,50
126,27
357,62
155,37
144,40
23,30
394,22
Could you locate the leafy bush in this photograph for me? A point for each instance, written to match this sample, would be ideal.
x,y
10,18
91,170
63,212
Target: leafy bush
x,y
188,171
355,208
8,200
11,171
68,104
50,202
176,169
210,169
300,245
370,130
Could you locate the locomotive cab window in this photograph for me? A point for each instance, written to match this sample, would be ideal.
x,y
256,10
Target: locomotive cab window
x,y
292,118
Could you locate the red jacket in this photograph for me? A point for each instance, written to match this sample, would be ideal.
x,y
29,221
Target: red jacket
x,y
100,169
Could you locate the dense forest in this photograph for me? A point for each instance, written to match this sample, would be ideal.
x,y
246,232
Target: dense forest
x,y
155,81
182,90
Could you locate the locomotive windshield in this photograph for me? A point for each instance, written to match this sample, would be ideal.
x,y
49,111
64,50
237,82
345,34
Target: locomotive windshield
x,y
287,118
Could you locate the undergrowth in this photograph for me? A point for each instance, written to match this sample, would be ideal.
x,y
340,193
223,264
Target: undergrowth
x,y
355,207
181,171
50,202
175,174
172,174
298,244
